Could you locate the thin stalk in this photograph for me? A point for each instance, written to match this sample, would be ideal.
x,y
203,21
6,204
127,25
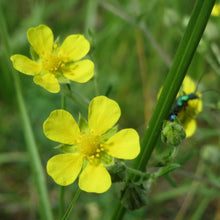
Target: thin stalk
x,y
61,202
37,170
65,217
89,25
182,60
61,188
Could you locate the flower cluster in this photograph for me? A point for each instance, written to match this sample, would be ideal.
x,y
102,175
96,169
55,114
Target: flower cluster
x,y
91,147
53,63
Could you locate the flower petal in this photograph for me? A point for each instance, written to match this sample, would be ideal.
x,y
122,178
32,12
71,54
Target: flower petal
x,y
190,127
103,114
188,85
81,71
25,65
48,81
64,168
60,126
41,39
95,178
124,144
196,104
216,10
74,47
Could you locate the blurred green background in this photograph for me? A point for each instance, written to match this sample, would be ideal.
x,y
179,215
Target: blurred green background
x,y
133,44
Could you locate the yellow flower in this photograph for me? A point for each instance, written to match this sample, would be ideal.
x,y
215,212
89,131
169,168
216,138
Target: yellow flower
x,y
216,10
55,64
89,148
194,107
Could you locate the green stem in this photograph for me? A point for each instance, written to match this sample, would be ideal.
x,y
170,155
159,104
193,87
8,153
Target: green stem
x,y
65,217
182,60
61,202
61,189
139,173
37,170
78,98
89,25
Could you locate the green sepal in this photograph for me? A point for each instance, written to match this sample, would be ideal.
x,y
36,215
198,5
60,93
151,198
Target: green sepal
x,y
106,159
110,133
34,55
165,170
66,148
57,41
133,196
166,157
118,172
83,124
61,78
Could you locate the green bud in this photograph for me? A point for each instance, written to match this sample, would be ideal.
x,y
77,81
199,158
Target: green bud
x,y
118,172
133,196
173,133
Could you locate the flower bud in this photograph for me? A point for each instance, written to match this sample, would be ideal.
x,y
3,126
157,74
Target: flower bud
x,y
173,133
133,196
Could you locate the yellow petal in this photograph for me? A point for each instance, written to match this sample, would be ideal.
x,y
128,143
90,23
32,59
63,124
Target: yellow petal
x,y
74,47
41,39
124,144
196,104
188,85
95,178
64,168
60,126
216,10
81,71
190,127
103,114
48,81
25,65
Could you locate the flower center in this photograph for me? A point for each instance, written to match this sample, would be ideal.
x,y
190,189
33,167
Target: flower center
x,y
91,146
52,62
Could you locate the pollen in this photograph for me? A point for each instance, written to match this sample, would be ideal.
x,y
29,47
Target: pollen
x,y
52,62
90,146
